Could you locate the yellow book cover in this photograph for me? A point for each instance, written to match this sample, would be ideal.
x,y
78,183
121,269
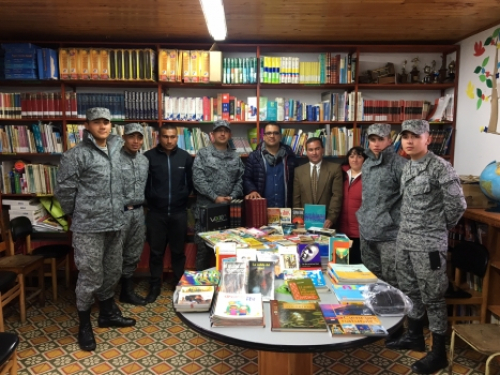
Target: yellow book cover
x,y
163,65
178,76
64,63
127,72
273,216
215,63
73,63
194,57
94,63
204,67
186,66
253,243
83,63
104,64
172,65
302,73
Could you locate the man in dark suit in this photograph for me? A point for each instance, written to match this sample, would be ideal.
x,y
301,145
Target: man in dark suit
x,y
318,182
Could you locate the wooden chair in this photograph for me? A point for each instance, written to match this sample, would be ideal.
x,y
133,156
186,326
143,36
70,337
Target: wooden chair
x,y
22,265
54,255
8,356
483,338
473,258
10,287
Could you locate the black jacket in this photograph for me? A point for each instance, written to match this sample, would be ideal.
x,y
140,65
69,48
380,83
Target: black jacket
x,y
170,180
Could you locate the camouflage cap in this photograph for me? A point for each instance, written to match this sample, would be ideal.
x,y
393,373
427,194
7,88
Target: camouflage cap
x,y
97,113
219,123
133,127
415,126
382,130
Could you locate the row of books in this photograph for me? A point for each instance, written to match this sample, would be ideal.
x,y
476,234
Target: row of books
x,y
394,110
239,70
32,105
37,179
189,66
107,64
35,138
329,69
26,61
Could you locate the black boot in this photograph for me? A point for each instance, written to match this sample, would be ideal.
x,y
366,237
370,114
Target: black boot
x,y
128,295
434,360
154,292
111,316
86,339
413,339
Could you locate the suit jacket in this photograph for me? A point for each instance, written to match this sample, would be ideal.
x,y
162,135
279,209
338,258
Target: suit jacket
x,y
329,188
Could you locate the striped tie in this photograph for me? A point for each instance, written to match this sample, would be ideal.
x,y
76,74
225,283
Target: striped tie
x,y
314,181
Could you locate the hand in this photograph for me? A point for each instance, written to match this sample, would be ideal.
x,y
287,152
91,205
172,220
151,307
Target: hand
x,y
327,224
222,199
253,195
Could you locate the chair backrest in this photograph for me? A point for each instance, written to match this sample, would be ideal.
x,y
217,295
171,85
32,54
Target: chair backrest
x,y
470,257
21,229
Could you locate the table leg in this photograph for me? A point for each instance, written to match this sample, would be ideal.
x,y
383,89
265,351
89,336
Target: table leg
x,y
274,363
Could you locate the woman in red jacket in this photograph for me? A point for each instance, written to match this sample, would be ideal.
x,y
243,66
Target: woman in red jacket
x,y
352,200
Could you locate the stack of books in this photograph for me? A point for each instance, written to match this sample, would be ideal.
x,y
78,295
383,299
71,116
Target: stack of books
x,y
197,298
350,274
238,309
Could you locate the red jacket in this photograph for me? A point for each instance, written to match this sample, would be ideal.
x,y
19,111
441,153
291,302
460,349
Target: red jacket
x,y
348,224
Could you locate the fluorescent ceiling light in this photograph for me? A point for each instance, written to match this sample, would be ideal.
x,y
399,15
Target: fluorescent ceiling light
x,y
213,10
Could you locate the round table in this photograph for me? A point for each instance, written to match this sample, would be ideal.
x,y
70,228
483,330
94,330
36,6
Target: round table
x,y
284,353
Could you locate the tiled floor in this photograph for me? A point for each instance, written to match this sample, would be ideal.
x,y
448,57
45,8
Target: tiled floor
x,y
161,344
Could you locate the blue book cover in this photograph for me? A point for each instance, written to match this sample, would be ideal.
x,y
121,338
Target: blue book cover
x,y
272,111
349,293
315,275
309,256
314,215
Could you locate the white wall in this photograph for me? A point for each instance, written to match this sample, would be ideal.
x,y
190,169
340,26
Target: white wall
x,y
474,149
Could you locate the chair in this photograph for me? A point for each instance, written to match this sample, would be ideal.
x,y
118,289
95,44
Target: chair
x,y
10,287
54,255
8,357
21,265
473,258
483,338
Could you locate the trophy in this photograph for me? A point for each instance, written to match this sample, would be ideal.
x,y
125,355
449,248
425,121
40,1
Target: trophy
x,y
442,71
427,74
403,76
414,74
435,73
451,69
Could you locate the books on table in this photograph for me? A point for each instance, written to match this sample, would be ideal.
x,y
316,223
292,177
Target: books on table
x,y
353,319
206,277
302,289
261,279
349,292
350,274
193,298
233,277
296,316
238,309
316,277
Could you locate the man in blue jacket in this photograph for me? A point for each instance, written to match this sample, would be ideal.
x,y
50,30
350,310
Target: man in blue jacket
x,y
269,170
170,181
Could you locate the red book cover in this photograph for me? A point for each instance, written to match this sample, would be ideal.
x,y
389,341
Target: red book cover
x,y
206,109
225,106
74,111
238,111
52,108
67,107
57,105
45,104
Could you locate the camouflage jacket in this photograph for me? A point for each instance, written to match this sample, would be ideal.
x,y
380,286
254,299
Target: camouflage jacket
x,y
433,202
134,176
217,173
379,216
89,186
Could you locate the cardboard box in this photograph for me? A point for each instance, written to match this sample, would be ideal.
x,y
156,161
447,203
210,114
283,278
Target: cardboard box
x,y
475,197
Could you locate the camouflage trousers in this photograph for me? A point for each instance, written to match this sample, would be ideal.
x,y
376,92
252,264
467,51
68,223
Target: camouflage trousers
x,y
424,286
133,238
98,258
380,258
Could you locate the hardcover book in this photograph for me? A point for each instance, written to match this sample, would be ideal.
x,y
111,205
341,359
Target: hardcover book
x,y
296,316
353,319
316,276
302,290
314,215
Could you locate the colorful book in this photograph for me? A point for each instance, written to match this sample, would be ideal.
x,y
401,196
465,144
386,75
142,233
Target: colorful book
x,y
233,277
223,250
194,298
302,290
238,309
349,293
296,316
298,216
261,279
338,250
316,276
206,277
314,215
273,215
351,274
309,256
352,319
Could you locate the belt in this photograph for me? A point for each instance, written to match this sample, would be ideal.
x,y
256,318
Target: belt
x,y
130,208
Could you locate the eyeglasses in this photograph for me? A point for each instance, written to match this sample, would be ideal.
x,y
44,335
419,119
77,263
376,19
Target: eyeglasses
x,y
272,133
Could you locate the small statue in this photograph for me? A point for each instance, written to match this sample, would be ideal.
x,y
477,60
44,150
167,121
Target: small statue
x,y
427,74
435,73
403,77
442,70
414,72
451,69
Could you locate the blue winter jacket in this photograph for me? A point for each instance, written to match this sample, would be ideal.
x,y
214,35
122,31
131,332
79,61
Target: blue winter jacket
x,y
254,178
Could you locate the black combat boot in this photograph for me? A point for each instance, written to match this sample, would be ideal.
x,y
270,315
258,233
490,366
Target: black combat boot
x,y
128,295
111,316
434,360
86,339
413,339
154,292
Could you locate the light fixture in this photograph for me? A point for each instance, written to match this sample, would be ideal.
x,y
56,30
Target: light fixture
x,y
213,10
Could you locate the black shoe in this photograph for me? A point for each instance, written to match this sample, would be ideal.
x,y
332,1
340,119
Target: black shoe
x,y
435,360
128,295
86,339
111,316
154,292
413,339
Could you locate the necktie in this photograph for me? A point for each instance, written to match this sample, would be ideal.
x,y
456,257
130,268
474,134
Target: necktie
x,y
314,181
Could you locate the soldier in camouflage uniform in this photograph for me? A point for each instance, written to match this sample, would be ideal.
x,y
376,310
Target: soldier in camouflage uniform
x,y
433,202
379,216
89,188
218,178
134,167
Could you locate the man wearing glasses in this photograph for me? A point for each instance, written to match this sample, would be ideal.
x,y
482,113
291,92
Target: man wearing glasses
x,y
269,170
217,178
